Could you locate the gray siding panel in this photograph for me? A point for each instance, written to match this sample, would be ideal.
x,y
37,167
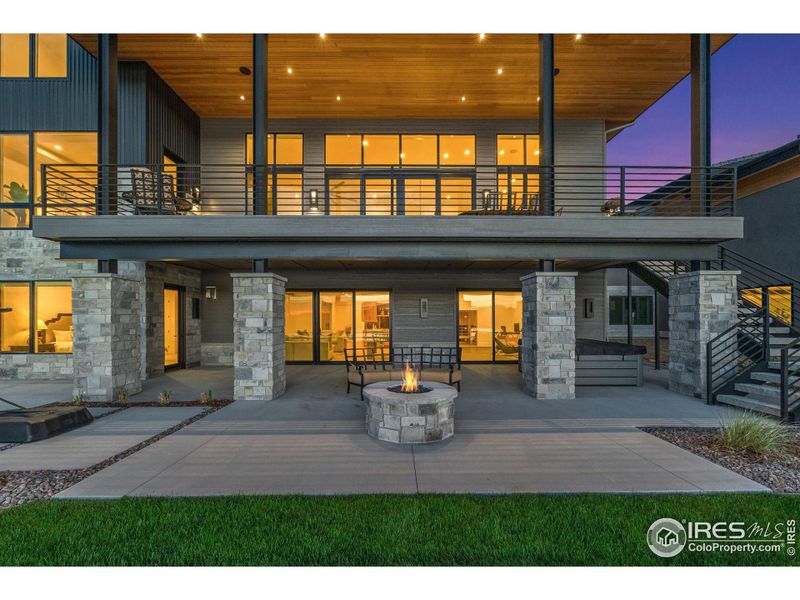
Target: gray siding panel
x,y
591,286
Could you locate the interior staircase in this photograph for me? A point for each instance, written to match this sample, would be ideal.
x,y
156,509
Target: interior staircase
x,y
755,364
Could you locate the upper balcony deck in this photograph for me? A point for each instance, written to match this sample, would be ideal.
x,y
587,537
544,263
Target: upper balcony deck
x,y
329,211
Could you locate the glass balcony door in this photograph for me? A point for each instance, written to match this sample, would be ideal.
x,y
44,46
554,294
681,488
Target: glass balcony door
x,y
384,192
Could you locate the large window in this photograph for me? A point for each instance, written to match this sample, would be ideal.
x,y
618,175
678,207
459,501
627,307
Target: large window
x,y
517,183
355,149
299,326
489,325
285,187
45,326
67,148
49,52
346,319
14,180
642,310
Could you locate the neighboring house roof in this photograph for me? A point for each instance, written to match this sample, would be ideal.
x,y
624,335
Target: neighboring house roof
x,y
745,166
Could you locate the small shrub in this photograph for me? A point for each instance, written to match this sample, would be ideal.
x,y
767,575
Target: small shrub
x,y
121,394
752,433
206,397
79,398
165,397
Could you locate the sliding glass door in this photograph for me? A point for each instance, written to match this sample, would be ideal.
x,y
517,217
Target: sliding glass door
x,y
489,325
320,324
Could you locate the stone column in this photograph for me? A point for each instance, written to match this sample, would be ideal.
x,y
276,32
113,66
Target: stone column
x,y
702,304
259,358
106,329
548,335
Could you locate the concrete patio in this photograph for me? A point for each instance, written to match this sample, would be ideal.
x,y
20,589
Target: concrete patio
x,y
312,441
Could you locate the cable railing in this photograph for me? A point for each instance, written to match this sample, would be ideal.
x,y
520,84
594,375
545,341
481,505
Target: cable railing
x,y
385,190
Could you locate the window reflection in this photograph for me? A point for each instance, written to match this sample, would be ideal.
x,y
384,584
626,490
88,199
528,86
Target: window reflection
x,y
299,326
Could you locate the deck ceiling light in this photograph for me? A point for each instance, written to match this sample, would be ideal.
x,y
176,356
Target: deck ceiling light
x,y
463,98
578,36
289,70
322,36
481,36
199,35
500,71
241,97
338,98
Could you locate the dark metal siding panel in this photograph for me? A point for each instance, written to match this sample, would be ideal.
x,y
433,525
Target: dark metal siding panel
x,y
53,104
132,112
171,124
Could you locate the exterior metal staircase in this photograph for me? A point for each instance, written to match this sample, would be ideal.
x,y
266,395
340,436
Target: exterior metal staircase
x,y
755,364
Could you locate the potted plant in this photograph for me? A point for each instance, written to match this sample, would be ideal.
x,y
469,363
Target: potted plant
x,y
17,193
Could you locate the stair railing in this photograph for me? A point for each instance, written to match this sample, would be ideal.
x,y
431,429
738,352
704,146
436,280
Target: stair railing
x,y
790,380
733,353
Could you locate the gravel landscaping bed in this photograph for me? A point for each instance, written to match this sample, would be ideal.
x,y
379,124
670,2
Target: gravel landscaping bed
x,y
779,472
19,487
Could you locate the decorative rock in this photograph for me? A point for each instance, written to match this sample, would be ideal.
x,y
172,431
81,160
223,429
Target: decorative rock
x,y
410,418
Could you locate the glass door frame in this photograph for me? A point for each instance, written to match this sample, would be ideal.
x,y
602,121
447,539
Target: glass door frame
x,y
315,295
397,176
494,292
181,364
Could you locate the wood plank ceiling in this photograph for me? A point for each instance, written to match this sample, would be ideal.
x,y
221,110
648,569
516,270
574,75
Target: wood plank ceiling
x,y
612,77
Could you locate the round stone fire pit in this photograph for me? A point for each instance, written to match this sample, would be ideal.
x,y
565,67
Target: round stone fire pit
x,y
410,418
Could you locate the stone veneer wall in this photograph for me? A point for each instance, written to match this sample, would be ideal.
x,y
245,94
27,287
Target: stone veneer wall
x,y
26,258
259,359
216,354
106,344
548,346
157,275
702,304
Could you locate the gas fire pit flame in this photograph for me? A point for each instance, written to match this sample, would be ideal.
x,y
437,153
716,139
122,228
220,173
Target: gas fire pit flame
x,y
409,384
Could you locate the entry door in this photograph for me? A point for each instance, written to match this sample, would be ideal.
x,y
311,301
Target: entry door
x,y
174,318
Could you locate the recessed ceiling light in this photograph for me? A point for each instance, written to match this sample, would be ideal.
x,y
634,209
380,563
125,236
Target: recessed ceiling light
x,y
578,36
289,70
446,155
402,155
199,35
241,97
365,143
538,98
463,98
57,147
322,35
502,152
481,36
466,152
338,98
536,152
500,71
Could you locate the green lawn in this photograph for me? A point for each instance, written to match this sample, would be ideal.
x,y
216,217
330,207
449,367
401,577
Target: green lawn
x,y
373,530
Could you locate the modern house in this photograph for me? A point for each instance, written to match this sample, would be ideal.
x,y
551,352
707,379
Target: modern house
x,y
256,200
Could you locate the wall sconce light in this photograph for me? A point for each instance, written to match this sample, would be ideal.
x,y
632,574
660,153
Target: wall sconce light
x,y
211,292
486,198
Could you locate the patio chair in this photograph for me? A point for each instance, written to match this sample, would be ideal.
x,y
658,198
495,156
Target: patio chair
x,y
145,196
365,366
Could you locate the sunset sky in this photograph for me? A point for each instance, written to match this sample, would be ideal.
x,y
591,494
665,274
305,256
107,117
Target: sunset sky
x,y
755,106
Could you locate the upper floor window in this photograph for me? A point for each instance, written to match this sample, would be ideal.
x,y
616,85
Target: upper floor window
x,y
517,149
355,149
33,55
282,149
14,180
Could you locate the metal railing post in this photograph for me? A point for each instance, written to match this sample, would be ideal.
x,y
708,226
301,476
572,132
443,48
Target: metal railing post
x,y
784,384
622,190
709,375
44,190
766,321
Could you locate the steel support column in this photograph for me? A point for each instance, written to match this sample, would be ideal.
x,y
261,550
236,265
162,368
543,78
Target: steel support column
x,y
260,123
107,132
629,307
701,120
260,265
546,124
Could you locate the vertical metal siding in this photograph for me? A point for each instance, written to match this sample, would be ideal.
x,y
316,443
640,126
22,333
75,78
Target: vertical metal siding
x,y
171,124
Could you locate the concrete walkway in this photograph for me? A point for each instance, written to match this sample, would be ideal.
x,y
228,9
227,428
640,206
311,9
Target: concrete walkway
x,y
312,441
95,442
